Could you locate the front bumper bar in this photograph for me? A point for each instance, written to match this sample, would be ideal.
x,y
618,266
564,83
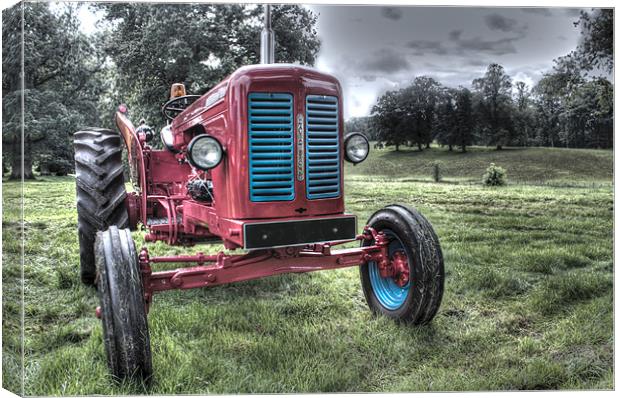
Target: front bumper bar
x,y
274,234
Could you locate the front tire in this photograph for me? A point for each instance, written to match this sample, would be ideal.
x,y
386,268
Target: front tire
x,y
411,234
100,191
123,312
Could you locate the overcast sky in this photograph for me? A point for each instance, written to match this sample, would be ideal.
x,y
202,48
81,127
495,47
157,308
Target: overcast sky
x,y
372,49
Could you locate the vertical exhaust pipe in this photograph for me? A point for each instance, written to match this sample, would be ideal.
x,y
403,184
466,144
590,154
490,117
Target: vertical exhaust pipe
x,y
267,39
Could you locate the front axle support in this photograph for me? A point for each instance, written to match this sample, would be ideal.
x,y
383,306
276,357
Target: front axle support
x,y
219,269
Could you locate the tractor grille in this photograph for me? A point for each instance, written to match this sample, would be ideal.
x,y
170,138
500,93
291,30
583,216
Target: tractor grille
x,y
322,147
271,146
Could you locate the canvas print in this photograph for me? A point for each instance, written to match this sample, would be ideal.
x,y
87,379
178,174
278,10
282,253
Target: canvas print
x,y
235,198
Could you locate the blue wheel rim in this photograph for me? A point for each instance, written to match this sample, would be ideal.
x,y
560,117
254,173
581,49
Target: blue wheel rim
x,y
387,292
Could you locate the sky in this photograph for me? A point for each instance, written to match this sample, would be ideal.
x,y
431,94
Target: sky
x,y
373,49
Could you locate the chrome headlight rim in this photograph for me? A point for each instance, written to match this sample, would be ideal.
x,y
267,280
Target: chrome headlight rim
x,y
192,144
347,141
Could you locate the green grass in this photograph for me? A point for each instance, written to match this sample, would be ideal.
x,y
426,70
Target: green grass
x,y
528,300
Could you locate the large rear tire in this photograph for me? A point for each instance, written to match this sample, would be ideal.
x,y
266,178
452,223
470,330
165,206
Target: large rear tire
x,y
123,310
100,191
411,234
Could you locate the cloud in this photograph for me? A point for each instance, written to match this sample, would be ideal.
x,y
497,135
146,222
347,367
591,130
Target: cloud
x,y
369,78
392,13
480,45
476,62
572,12
537,10
422,47
497,22
386,60
455,35
530,74
477,45
495,47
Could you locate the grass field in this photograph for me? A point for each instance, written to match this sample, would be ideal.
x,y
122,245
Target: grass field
x,y
537,166
528,300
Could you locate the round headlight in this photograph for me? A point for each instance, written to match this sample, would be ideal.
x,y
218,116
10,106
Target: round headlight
x,y
204,152
167,139
356,147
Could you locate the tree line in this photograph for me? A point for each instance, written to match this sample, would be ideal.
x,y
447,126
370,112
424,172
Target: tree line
x,y
567,107
73,80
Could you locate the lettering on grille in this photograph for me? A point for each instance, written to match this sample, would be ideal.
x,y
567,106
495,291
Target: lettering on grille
x,y
300,147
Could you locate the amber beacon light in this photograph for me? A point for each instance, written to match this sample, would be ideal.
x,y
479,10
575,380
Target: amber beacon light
x,y
177,90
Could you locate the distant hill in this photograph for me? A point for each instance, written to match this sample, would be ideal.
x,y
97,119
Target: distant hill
x,y
560,166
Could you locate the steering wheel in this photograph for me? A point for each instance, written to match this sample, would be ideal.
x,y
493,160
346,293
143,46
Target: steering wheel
x,y
172,108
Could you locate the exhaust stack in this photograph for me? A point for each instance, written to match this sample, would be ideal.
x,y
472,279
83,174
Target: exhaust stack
x,y
267,39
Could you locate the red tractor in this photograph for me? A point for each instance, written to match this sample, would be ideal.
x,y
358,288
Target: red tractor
x,y
256,163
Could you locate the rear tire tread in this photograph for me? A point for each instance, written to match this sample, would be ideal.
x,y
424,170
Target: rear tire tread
x,y
100,190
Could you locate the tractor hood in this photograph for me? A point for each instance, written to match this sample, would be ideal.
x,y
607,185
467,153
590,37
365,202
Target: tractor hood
x,y
263,77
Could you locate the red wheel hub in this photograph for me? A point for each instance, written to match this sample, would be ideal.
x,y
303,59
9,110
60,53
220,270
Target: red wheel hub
x,y
400,268
396,267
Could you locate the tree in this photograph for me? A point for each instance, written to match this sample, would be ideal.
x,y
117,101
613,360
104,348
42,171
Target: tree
x,y
447,124
362,125
56,87
552,93
523,117
388,119
588,116
419,102
494,100
596,47
548,107
153,46
570,108
455,119
464,119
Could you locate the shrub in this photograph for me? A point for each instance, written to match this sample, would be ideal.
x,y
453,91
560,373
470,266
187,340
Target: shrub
x,y
437,172
494,176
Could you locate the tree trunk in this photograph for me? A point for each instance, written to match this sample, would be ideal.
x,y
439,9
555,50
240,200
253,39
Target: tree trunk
x,y
397,145
450,147
45,170
463,149
28,174
428,145
499,147
419,146
16,161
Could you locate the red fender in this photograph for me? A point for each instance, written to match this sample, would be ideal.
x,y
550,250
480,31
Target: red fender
x,y
135,158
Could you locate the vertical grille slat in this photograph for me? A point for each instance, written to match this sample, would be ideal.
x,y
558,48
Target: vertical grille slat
x,y
270,130
322,147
